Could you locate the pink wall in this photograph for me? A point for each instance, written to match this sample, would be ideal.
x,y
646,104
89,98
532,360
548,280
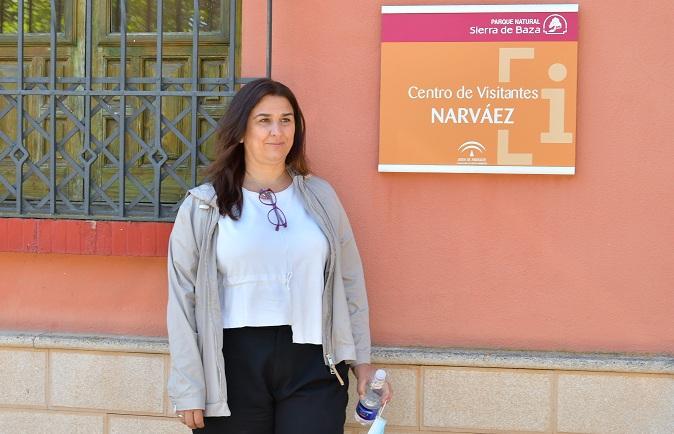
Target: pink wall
x,y
516,261
83,293
501,261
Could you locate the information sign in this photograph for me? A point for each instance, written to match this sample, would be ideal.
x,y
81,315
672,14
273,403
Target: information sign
x,y
479,89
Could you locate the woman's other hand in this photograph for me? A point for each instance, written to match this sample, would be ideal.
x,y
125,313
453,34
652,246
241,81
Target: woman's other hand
x,y
192,418
364,372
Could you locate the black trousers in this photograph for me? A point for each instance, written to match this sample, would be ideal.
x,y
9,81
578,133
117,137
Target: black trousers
x,y
277,387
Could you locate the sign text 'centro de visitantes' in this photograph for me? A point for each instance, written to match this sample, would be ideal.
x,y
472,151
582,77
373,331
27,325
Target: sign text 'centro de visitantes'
x,y
479,89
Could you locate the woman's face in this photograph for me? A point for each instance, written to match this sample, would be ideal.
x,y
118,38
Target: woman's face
x,y
269,132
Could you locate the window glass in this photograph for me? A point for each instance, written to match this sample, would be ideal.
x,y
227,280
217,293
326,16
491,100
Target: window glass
x,y
36,16
177,17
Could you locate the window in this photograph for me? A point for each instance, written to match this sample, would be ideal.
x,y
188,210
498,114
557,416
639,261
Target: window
x,y
82,138
177,16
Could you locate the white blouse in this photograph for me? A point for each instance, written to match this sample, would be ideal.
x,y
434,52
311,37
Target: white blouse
x,y
272,277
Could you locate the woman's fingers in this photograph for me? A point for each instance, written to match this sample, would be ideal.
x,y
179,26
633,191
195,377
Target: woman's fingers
x,y
192,418
189,419
362,387
363,373
388,392
199,418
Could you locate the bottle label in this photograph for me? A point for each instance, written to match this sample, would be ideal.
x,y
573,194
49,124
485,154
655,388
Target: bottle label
x,y
366,413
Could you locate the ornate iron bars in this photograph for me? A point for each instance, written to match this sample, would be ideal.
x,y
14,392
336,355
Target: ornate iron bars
x,y
112,145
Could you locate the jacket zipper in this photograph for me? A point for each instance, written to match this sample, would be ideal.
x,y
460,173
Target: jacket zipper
x,y
327,339
333,368
217,367
211,210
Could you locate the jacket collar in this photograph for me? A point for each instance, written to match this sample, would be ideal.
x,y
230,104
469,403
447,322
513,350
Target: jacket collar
x,y
206,193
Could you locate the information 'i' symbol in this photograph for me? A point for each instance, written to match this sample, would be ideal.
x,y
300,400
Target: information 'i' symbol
x,y
556,133
503,155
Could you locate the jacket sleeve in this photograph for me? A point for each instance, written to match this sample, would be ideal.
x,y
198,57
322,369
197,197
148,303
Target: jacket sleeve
x,y
186,384
354,287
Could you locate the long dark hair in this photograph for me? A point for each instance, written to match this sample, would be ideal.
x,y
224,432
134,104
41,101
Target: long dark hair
x,y
227,171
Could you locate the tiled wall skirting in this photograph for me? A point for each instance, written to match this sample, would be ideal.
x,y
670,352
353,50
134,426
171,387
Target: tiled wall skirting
x,y
96,384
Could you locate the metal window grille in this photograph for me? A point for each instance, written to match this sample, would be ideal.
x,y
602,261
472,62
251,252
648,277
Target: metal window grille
x,y
96,200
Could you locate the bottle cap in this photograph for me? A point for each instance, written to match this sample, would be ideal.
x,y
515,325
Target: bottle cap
x,y
380,375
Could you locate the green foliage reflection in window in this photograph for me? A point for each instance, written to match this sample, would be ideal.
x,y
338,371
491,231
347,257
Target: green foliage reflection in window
x,y
177,17
36,16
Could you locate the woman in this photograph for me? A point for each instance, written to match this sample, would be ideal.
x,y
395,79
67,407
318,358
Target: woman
x,y
267,305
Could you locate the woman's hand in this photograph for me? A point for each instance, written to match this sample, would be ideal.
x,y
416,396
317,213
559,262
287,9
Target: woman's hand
x,y
192,418
364,372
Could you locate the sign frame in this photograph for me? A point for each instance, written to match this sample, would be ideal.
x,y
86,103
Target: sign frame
x,y
519,116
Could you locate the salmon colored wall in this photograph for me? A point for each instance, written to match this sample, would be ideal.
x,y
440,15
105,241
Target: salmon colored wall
x,y
254,38
83,293
517,261
580,262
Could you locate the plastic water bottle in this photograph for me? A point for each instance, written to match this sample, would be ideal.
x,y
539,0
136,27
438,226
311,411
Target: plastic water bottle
x,y
368,407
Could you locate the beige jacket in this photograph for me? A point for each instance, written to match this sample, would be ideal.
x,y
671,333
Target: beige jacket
x,y
197,377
